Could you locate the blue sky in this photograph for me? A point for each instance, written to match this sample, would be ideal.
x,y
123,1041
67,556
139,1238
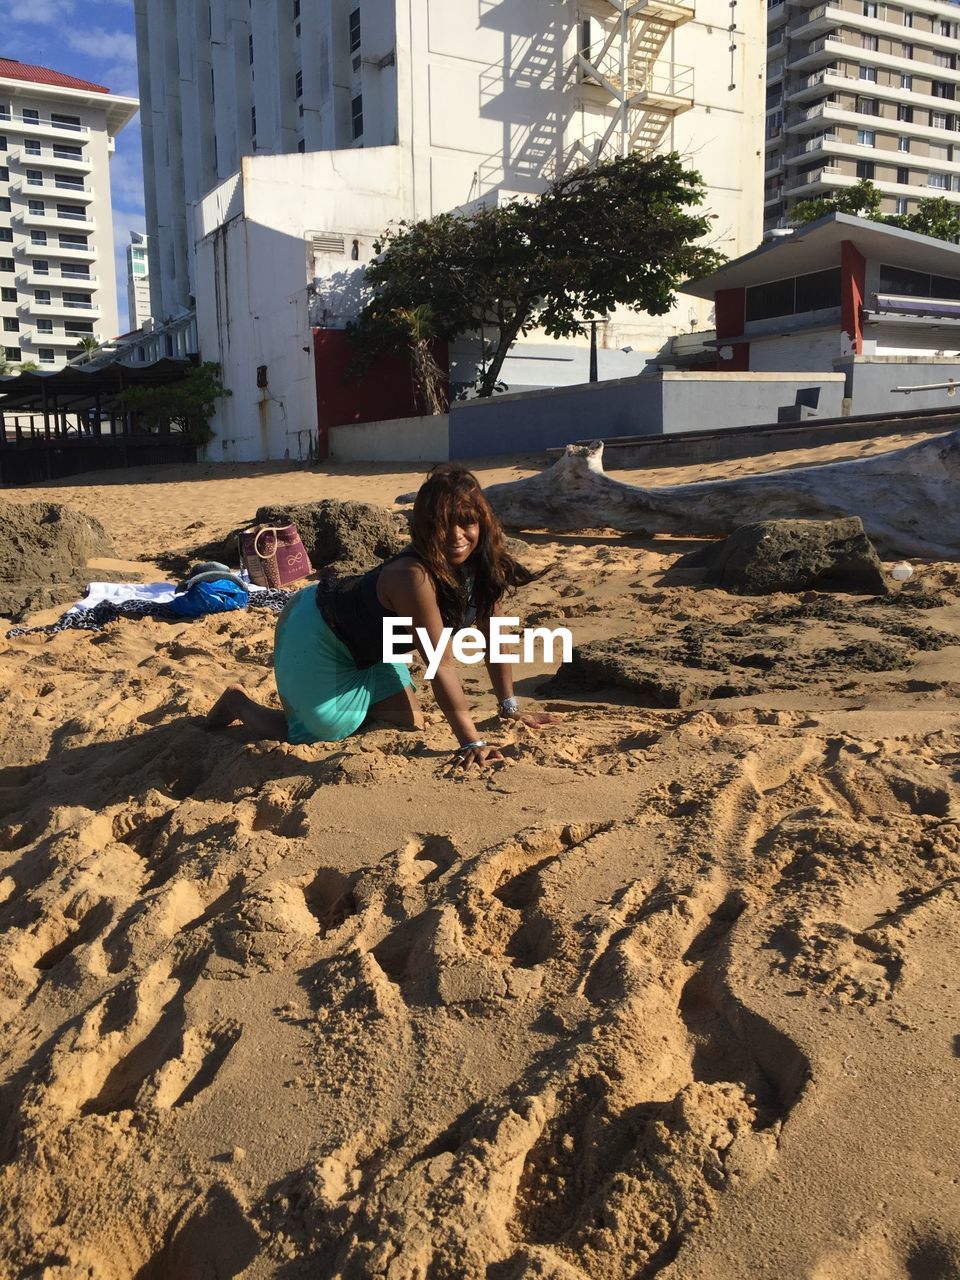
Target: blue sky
x,y
92,39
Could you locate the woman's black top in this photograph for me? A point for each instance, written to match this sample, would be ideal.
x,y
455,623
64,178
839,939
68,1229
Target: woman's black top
x,y
355,615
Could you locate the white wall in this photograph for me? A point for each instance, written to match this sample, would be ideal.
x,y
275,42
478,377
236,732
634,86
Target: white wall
x,y
806,352
254,274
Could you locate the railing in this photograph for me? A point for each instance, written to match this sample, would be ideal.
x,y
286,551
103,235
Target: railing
x,y
19,118
813,145
817,175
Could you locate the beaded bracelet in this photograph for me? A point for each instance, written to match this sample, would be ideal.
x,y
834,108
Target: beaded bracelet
x,y
469,746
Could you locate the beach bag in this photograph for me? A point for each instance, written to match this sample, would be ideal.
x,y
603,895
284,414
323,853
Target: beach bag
x,y
273,556
206,595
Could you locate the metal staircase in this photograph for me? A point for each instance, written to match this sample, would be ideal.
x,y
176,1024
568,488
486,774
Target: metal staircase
x,y
623,70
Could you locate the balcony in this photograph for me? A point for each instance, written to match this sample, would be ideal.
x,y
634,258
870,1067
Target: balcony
x,y
820,54
53,249
76,310
53,191
68,222
819,21
806,184
31,128
675,11
50,160
59,279
37,339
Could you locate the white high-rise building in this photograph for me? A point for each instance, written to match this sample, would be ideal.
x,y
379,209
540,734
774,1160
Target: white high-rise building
x,y
57,275
860,89
406,110
138,281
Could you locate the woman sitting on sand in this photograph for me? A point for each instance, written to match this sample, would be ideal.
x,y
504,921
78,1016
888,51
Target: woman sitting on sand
x,y
329,644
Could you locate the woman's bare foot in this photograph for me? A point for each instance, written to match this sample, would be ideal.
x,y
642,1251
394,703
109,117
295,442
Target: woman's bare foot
x,y
233,704
224,710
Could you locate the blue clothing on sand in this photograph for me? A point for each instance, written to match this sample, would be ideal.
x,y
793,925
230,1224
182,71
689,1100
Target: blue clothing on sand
x,y
325,695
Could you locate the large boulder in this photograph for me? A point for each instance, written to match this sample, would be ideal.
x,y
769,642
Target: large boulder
x,y
793,555
44,549
342,538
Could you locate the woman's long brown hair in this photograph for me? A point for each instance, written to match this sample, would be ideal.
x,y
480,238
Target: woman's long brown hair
x,y
451,494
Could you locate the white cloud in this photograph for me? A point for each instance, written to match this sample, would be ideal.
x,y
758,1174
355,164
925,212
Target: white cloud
x,y
46,13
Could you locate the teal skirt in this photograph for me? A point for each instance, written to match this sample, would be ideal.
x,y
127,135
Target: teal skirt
x,y
325,695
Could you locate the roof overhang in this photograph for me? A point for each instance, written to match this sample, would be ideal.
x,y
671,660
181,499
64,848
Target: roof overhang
x,y
119,110
79,386
816,247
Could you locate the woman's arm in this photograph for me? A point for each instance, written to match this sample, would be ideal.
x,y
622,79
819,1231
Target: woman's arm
x,y
408,590
501,681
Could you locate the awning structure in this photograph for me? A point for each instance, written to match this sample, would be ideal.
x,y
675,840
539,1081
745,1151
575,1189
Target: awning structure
x,y
78,389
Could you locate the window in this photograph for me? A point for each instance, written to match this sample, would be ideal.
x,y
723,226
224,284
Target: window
x,y
948,60
68,181
907,18
298,84
5,111
296,8
941,120
30,115
34,177
8,295
301,146
64,122
37,208
75,271
66,151
868,106
31,147
354,22
4,204
866,138
253,121
6,264
249,51
6,235
11,324
869,73
869,9
42,296
903,175
40,266
4,173
941,89
940,153
865,168
939,181
356,115
906,51
901,205
814,292
12,353
46,356
946,29
77,328
3,143
75,211
869,42
75,300
905,113
906,82
70,240
38,237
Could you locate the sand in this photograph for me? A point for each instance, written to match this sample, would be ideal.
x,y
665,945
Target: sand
x,y
671,992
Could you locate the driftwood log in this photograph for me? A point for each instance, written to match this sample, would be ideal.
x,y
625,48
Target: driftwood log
x,y
908,499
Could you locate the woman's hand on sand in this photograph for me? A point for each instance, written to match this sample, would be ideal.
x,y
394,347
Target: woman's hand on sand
x,y
478,756
534,719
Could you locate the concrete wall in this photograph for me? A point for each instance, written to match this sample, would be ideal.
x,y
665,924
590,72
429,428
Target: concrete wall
x,y
871,381
425,439
667,403
254,274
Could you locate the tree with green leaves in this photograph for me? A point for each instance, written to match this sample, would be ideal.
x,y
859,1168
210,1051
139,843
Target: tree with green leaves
x,y
623,233
935,216
186,404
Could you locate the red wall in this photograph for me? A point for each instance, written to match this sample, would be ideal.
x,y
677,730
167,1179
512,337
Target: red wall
x,y
730,311
385,391
853,288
